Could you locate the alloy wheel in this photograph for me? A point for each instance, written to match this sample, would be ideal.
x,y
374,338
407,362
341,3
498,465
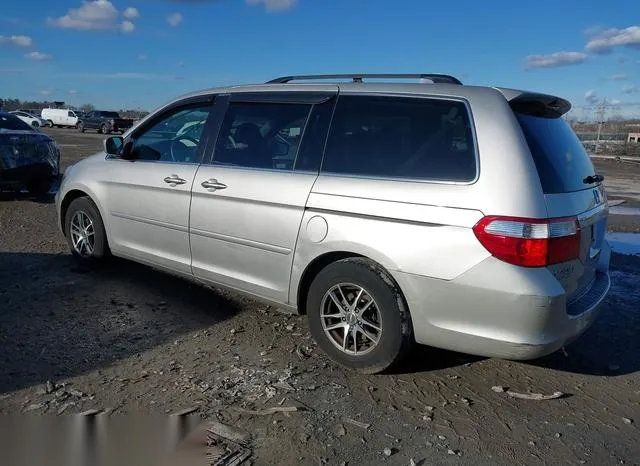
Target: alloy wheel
x,y
351,319
82,234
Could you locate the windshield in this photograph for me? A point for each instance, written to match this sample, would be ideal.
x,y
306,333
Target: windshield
x,y
560,158
13,123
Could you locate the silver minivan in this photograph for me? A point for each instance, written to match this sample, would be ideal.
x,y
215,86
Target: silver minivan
x,y
460,217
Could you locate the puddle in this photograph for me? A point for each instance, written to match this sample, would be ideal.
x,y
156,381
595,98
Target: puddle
x,y
624,243
624,211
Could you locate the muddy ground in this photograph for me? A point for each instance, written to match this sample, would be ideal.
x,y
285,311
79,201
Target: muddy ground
x,y
129,339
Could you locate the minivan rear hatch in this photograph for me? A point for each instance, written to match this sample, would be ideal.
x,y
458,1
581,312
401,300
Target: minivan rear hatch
x,y
570,184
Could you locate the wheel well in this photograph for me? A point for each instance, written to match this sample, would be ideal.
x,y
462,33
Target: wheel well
x,y
68,199
312,270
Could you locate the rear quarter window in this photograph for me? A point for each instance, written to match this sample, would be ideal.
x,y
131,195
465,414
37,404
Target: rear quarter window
x,y
401,138
559,156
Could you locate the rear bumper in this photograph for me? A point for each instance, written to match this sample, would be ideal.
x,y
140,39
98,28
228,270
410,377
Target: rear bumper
x,y
18,177
502,311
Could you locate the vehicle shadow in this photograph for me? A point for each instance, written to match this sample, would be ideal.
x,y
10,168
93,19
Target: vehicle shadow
x,y
423,359
611,346
58,320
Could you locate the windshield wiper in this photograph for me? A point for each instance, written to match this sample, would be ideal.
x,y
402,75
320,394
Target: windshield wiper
x,y
593,179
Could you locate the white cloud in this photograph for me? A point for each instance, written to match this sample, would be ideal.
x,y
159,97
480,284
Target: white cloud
x,y
630,89
131,13
273,5
96,15
73,91
603,41
615,102
45,92
591,97
19,41
127,27
174,19
554,59
38,56
618,77
143,57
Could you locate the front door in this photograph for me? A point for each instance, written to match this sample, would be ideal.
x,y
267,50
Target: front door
x,y
149,191
248,201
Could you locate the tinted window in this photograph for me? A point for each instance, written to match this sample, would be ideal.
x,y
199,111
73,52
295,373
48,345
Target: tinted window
x,y
13,123
401,138
560,158
261,135
109,114
173,138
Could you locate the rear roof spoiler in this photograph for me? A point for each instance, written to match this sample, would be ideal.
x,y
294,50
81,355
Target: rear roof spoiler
x,y
536,104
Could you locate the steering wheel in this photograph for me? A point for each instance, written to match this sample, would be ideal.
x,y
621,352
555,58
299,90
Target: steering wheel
x,y
181,139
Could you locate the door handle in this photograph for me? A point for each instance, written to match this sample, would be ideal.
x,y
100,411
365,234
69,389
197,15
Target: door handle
x,y
212,184
174,180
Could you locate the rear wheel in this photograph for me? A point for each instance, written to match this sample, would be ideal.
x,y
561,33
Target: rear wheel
x,y
104,129
35,124
85,232
358,317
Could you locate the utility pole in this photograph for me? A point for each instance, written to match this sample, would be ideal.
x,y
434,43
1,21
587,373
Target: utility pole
x,y
600,111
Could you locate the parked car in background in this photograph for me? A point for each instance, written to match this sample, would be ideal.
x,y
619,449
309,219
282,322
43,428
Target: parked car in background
x,y
60,117
29,159
30,119
468,218
105,122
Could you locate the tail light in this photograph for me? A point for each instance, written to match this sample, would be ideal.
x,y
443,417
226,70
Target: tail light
x,y
530,242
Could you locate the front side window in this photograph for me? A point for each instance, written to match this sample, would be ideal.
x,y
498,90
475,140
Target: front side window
x,y
173,138
404,138
261,135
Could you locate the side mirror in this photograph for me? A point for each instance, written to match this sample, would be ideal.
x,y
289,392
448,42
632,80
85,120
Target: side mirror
x,y
113,145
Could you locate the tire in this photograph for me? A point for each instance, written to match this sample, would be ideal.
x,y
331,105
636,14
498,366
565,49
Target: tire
x,y
100,248
35,124
395,337
104,129
81,127
39,188
50,123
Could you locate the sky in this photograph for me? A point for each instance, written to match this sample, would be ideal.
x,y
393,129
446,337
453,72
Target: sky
x,y
141,53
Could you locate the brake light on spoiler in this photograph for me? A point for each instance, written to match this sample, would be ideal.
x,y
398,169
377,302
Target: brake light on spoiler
x,y
530,242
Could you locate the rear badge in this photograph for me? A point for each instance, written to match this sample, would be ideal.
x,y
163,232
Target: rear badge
x,y
597,197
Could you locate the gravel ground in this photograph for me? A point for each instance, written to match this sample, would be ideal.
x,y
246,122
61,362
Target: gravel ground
x,y
129,339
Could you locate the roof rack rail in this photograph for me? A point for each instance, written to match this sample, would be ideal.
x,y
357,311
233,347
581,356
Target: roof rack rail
x,y
357,78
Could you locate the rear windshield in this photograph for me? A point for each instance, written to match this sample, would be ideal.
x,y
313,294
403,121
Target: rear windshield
x,y
560,158
13,123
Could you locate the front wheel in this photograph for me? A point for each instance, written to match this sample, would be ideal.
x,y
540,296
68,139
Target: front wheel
x,y
80,127
35,124
104,129
85,232
358,317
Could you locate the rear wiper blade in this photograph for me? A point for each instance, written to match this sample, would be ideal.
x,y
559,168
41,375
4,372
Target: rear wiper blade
x,y
593,179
